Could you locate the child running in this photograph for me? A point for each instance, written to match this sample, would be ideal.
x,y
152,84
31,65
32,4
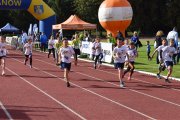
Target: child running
x,y
168,53
65,56
161,66
51,46
28,51
119,55
3,53
98,52
132,52
57,48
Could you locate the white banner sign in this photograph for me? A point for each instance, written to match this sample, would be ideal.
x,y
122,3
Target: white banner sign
x,y
107,50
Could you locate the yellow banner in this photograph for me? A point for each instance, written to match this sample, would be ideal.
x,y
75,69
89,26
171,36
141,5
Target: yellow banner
x,y
40,10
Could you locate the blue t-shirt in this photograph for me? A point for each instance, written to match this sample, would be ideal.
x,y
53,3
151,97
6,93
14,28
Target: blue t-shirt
x,y
148,48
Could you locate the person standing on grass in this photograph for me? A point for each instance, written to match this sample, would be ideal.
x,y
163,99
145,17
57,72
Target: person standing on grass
x,y
3,53
66,52
168,53
51,46
28,51
135,39
119,54
76,47
132,52
98,52
173,35
158,42
161,66
148,50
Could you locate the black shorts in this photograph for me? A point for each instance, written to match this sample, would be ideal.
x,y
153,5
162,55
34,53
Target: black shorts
x,y
77,51
1,57
168,63
64,65
119,65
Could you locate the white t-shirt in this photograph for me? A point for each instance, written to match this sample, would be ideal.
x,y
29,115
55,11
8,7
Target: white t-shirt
x,y
120,53
3,50
28,49
159,49
97,47
51,44
132,54
168,53
66,54
173,35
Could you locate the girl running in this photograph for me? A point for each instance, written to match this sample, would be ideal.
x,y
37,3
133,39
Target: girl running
x,y
3,53
98,52
51,47
28,51
65,55
119,55
132,52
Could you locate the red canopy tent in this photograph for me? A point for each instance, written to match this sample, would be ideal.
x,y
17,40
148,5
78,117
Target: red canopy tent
x,y
74,23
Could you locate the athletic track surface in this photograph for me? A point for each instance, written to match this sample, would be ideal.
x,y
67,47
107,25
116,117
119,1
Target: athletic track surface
x,y
40,93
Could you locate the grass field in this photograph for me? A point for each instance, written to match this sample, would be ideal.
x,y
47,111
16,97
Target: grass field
x,y
143,64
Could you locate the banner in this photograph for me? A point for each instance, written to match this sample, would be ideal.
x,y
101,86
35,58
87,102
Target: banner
x,y
107,50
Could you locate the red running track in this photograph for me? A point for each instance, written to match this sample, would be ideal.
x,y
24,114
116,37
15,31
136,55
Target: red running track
x,y
40,93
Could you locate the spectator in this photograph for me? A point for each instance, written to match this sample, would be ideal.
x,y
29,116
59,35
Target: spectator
x,y
173,35
158,42
135,39
43,41
120,36
148,50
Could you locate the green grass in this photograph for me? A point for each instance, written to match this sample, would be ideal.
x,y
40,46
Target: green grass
x,y
143,64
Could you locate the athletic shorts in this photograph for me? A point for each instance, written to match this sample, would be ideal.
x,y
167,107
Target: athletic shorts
x,y
119,65
168,63
64,65
77,51
2,57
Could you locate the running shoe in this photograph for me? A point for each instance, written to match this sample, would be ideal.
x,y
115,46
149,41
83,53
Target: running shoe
x,y
167,80
122,84
158,76
94,66
68,84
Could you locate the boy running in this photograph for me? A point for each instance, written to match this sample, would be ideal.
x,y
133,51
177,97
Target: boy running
x,y
28,51
66,52
160,56
3,52
168,53
119,55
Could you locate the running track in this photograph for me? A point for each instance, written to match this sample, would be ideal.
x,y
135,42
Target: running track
x,y
40,93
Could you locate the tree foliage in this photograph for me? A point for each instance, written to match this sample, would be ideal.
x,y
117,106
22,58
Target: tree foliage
x,y
148,15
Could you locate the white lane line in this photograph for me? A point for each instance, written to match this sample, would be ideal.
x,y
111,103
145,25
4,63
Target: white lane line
x,y
141,80
132,78
157,98
54,99
143,72
5,111
94,93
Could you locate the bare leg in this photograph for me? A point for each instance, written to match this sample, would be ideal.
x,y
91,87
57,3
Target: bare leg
x,y
3,66
66,77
